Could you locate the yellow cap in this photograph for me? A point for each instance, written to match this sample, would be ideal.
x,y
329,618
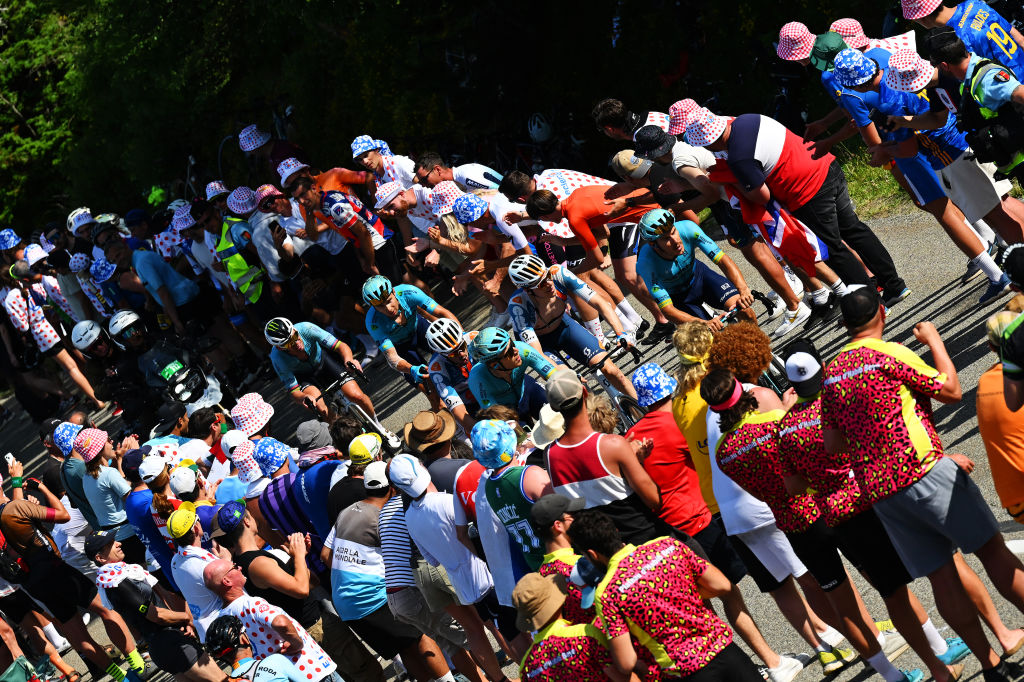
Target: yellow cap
x,y
181,521
364,448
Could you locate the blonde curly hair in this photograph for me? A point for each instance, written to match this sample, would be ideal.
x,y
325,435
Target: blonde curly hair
x,y
603,417
743,349
692,341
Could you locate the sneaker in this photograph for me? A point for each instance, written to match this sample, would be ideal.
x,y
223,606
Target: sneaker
x,y
832,637
834,660
659,332
794,282
118,410
1005,671
884,625
778,306
133,675
973,268
894,645
914,675
822,313
787,670
957,651
893,299
995,289
794,320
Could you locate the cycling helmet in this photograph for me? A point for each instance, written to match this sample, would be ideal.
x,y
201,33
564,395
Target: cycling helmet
x,y
278,331
444,335
121,321
527,271
540,129
78,218
656,223
494,443
102,227
377,290
85,333
224,636
176,204
490,344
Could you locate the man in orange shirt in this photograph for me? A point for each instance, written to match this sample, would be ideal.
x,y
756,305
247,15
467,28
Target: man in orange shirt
x,y
586,211
1001,429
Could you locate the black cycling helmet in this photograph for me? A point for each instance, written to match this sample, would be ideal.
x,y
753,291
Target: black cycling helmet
x,y
223,636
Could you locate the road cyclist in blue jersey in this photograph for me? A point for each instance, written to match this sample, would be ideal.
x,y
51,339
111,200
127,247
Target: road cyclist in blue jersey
x,y
228,642
680,284
397,320
499,373
449,369
541,309
301,352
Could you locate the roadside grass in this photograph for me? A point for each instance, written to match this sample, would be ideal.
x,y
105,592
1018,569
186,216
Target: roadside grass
x,y
875,193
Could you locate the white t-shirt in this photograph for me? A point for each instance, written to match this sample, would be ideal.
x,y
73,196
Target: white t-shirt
x,y
187,566
495,541
421,215
261,237
499,205
741,511
204,255
431,523
686,155
476,176
400,169
257,614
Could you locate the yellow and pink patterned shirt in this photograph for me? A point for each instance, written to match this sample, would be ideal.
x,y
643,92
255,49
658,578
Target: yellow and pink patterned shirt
x,y
563,651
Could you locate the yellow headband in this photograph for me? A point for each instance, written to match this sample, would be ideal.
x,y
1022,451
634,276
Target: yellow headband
x,y
692,359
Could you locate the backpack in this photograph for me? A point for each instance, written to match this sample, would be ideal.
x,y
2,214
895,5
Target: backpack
x,y
13,568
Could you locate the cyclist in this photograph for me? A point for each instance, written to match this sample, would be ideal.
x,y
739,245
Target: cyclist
x,y
398,322
430,170
498,376
668,265
227,641
297,354
540,316
615,121
449,368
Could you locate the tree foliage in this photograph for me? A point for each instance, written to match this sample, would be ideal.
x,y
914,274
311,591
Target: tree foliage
x,y
102,99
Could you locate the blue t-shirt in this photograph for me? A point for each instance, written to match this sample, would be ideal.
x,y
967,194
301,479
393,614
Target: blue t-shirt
x,y
137,509
860,104
273,668
941,146
663,276
987,33
106,497
385,331
996,87
491,390
523,311
310,490
155,272
72,472
315,340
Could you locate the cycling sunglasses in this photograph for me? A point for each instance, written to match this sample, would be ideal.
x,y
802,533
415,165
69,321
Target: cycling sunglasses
x,y
507,354
292,342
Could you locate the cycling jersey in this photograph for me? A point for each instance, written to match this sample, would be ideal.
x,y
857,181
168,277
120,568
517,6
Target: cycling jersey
x,y
664,277
987,33
343,211
386,331
314,339
491,390
272,668
451,380
476,176
523,310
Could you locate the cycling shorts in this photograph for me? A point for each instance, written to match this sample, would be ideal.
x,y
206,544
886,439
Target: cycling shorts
x,y
573,339
326,372
551,254
410,350
924,184
623,239
706,286
731,221
574,256
534,398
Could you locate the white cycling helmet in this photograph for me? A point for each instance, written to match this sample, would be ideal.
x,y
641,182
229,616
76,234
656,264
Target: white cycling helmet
x,y
121,320
278,330
176,204
74,214
540,129
85,333
444,335
527,271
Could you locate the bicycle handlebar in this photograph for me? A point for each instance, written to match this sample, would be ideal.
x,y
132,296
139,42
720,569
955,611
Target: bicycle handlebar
x,y
613,355
769,304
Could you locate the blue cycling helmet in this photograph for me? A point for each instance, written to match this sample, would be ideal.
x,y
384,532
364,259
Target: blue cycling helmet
x,y
490,344
655,223
377,290
494,443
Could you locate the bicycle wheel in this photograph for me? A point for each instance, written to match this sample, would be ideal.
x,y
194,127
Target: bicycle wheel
x,y
775,376
629,410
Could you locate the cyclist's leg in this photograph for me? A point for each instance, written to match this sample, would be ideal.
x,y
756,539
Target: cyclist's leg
x,y
582,347
622,242
534,397
716,290
349,386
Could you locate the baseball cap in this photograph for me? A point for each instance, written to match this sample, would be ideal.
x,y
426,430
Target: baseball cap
x,y
795,42
375,477
183,481
167,415
537,598
860,305
652,384
853,68
97,540
851,31
47,427
626,164
586,576
132,459
651,142
550,508
565,390
364,448
151,467
908,71
826,47
409,475
228,518
181,521
803,367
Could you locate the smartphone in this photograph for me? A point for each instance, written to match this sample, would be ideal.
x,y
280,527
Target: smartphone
x,y
10,460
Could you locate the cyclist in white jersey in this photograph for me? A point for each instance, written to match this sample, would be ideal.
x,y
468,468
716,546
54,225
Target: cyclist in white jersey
x,y
430,170
619,123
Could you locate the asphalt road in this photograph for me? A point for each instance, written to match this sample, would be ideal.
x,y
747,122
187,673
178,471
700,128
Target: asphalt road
x,y
932,267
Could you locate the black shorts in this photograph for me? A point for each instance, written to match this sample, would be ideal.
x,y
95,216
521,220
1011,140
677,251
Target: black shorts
x,y
385,634
574,256
551,254
763,578
173,651
720,551
386,259
864,541
16,606
729,665
490,609
818,548
731,221
623,240
59,587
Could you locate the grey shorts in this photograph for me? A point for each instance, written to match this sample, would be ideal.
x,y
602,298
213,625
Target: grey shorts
x,y
410,607
434,585
930,519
